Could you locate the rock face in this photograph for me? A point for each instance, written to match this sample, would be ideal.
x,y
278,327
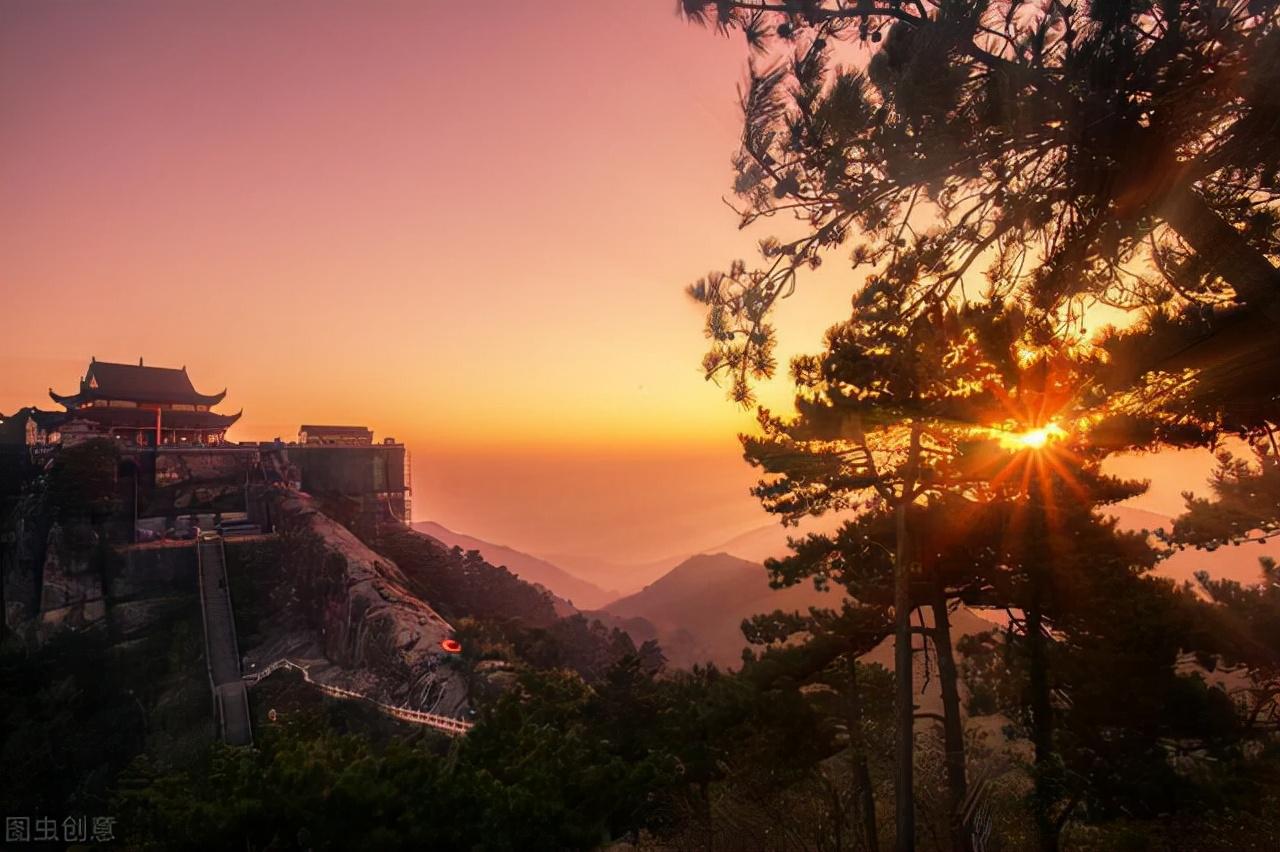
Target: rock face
x,y
71,593
316,596
357,626
126,591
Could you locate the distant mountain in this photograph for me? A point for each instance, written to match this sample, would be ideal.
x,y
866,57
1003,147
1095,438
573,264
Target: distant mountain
x,y
770,540
755,545
694,606
1239,562
626,577
698,607
765,542
581,593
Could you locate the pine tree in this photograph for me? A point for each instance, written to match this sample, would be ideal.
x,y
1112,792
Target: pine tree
x,y
1245,508
1022,161
822,650
996,440
1115,151
911,428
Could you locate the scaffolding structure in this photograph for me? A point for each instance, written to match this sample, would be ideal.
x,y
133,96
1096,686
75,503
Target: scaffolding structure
x,y
408,488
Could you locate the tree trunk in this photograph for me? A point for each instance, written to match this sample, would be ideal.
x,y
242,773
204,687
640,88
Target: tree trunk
x,y
952,724
704,801
904,790
861,768
1249,272
1041,719
837,815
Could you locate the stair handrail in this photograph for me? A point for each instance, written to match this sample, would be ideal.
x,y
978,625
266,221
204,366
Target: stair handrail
x,y
204,622
447,724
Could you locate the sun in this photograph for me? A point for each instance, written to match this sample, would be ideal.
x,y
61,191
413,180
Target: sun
x,y
1031,439
1035,439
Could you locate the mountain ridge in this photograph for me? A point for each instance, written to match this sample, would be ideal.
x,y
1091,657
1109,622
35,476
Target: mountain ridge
x,y
580,593
699,605
694,605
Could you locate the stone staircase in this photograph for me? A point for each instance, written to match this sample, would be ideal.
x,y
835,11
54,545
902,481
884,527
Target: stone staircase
x,y
222,653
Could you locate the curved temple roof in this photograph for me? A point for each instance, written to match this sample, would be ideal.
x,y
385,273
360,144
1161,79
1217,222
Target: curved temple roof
x,y
144,418
136,383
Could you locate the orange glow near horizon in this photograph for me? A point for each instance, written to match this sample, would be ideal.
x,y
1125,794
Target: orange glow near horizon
x,y
469,230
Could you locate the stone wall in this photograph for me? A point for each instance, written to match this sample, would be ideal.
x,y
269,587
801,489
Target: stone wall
x,y
82,585
124,591
185,481
148,584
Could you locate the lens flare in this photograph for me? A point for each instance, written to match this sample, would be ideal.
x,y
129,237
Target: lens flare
x,y
1034,439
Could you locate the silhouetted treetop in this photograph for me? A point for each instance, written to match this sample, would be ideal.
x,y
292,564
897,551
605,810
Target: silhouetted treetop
x,y
1063,153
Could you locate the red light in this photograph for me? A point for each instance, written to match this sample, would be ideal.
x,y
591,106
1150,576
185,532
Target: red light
x,y
453,646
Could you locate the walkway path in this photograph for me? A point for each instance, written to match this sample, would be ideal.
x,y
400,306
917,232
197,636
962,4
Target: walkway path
x,y
222,654
447,724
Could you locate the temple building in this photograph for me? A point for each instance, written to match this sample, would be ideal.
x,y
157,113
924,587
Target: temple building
x,y
148,406
335,436
32,426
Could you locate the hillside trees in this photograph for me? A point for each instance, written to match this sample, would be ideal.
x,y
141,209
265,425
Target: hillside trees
x,y
1004,455
551,765
1002,156
1245,619
1135,729
1006,516
461,584
81,485
819,653
1084,625
1245,506
696,759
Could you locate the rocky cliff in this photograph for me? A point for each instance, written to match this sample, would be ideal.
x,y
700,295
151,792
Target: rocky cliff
x,y
345,613
314,595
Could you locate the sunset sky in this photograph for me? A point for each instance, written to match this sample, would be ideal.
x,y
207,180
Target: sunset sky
x,y
465,225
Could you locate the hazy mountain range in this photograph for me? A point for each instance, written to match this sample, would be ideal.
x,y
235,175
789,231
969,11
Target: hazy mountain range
x,y
583,594
754,545
1238,563
626,577
694,604
698,606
